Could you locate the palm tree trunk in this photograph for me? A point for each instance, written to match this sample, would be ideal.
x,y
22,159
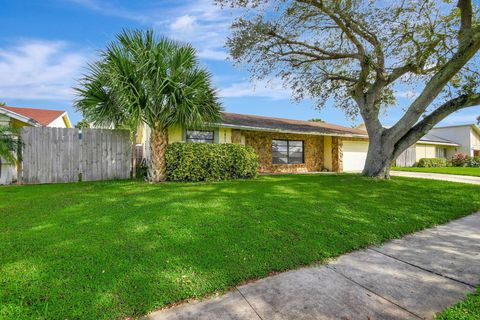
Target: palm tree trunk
x,y
158,144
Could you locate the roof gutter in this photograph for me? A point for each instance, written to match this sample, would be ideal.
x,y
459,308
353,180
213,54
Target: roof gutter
x,y
452,144
20,117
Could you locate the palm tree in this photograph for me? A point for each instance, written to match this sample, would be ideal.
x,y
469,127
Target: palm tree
x,y
9,144
144,79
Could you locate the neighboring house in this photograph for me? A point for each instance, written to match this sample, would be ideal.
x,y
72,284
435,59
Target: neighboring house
x,y
467,136
21,117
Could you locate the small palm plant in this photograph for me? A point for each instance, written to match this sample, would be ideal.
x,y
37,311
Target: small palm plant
x,y
144,79
10,144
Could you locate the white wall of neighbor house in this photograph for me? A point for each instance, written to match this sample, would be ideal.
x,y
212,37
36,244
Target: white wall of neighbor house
x,y
475,139
57,123
459,134
425,151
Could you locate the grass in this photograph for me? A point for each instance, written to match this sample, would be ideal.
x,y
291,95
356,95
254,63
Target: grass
x,y
469,309
109,250
464,171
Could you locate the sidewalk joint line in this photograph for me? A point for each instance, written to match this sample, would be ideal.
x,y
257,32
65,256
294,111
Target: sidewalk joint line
x,y
424,269
375,293
258,315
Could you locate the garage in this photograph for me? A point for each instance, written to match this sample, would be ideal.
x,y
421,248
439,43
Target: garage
x,y
354,155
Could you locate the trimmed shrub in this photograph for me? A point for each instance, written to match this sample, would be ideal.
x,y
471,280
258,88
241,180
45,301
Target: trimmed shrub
x,y
474,162
432,162
460,160
210,162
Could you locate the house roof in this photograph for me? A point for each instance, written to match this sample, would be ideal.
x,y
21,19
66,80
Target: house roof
x,y
471,125
42,116
260,123
433,139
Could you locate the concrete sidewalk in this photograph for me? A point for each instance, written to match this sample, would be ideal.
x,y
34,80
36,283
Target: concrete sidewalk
x,y
437,176
410,278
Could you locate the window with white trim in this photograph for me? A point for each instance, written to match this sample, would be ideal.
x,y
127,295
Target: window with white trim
x,y
441,152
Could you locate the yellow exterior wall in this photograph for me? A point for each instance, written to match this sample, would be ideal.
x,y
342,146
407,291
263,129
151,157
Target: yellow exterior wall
x,y
224,135
175,134
18,124
327,152
425,151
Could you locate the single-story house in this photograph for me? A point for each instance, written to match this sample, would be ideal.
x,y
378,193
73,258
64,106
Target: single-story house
x,y
282,145
21,117
286,145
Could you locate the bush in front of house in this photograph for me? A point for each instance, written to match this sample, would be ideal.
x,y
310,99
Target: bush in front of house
x,y
460,160
210,162
474,162
432,162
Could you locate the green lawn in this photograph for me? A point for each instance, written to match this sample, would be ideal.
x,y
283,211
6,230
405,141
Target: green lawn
x,y
464,171
469,309
109,250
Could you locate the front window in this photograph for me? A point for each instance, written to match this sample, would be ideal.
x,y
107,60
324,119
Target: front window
x,y
204,136
287,152
441,152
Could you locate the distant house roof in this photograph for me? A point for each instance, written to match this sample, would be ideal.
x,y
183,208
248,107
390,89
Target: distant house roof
x,y
40,116
431,138
259,123
470,125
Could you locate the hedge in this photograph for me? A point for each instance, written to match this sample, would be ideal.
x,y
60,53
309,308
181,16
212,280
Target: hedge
x,y
463,160
210,162
432,162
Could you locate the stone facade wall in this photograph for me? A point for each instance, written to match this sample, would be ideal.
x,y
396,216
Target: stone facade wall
x,y
337,155
262,143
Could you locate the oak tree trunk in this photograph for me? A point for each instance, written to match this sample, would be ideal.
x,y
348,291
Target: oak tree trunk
x,y
379,158
158,144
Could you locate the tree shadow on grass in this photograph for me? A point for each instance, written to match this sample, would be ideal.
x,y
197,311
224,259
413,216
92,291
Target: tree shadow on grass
x,y
107,250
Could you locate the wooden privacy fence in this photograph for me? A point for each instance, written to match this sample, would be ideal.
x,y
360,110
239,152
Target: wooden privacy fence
x,y
407,158
53,155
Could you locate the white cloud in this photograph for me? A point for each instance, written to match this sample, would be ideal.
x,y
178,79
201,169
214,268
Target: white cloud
x,y
39,70
185,22
199,22
267,89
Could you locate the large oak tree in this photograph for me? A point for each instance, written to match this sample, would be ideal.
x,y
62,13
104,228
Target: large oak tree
x,y
360,53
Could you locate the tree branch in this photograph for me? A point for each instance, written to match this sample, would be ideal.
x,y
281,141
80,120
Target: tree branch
x,y
427,123
466,13
435,85
326,54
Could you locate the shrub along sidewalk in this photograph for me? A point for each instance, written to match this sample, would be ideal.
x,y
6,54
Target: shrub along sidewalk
x,y
116,249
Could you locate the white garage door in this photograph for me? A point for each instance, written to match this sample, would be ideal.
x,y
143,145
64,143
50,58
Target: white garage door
x,y
354,155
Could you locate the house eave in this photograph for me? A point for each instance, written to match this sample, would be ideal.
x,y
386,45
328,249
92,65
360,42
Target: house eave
x,y
347,135
20,117
439,143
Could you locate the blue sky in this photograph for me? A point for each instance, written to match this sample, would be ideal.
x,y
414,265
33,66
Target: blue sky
x,y
45,45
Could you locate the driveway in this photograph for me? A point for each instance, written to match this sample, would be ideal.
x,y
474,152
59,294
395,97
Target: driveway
x,y
437,176
410,278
